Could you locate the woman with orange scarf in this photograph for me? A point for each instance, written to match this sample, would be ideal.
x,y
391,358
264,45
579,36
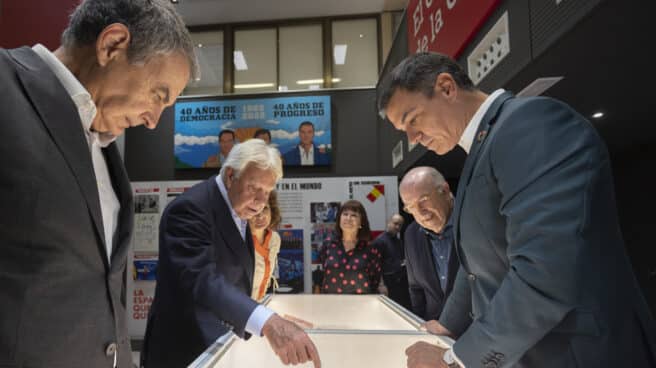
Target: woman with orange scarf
x,y
266,242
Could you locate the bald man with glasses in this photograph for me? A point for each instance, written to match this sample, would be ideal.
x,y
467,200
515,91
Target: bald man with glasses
x,y
431,261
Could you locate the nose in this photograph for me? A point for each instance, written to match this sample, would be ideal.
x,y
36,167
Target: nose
x,y
261,197
414,136
152,118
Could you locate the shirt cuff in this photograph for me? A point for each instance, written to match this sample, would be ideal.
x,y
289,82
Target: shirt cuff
x,y
258,318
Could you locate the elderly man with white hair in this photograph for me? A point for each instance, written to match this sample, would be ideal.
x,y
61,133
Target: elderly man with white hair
x,y
206,267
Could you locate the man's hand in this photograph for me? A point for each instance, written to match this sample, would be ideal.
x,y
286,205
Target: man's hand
x,y
436,328
290,342
425,355
300,322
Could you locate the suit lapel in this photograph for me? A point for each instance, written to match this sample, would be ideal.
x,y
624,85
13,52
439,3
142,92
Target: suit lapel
x,y
229,232
60,117
479,139
123,190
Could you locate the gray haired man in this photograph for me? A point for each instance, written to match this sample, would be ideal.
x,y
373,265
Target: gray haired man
x,y
65,199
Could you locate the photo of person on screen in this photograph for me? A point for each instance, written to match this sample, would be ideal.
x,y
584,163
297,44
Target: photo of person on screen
x,y
227,140
306,153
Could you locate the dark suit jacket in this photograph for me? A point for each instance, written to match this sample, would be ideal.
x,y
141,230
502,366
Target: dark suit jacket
x,y
391,252
61,303
204,278
542,255
293,157
426,294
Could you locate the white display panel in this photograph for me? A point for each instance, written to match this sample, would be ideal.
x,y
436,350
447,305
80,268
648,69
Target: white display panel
x,y
349,331
343,350
341,312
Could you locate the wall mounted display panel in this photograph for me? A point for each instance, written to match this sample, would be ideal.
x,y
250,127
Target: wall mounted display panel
x,y
199,121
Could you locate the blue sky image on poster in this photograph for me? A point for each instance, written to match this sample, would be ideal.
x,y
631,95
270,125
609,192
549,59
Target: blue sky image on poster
x,y
198,123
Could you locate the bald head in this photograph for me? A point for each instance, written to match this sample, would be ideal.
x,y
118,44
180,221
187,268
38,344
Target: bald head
x,y
426,196
394,224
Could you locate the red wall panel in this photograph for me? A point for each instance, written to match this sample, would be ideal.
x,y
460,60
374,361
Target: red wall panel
x,y
27,22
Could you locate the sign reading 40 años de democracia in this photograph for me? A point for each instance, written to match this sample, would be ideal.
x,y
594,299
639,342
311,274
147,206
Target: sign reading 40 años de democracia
x,y
300,128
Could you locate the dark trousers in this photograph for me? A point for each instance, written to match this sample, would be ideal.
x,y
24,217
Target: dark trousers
x,y
397,287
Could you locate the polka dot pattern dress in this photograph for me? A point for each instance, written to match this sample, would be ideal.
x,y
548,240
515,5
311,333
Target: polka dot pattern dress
x,y
354,272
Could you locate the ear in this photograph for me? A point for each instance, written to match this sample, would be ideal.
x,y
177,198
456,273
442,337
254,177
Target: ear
x,y
445,85
229,177
112,43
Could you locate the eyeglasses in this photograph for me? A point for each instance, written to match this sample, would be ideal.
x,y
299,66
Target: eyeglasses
x,y
421,202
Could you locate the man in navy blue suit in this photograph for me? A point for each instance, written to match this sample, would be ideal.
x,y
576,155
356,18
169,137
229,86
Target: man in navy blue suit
x,y
543,270
306,153
430,259
206,266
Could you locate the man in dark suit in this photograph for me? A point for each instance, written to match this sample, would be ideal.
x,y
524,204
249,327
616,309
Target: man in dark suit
x,y
535,227
65,199
430,259
306,153
206,262
391,250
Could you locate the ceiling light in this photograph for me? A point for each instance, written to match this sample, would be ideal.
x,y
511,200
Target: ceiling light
x,y
253,85
200,45
174,1
598,115
339,54
361,35
240,60
316,81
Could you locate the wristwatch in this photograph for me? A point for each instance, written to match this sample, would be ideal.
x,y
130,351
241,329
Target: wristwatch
x,y
449,359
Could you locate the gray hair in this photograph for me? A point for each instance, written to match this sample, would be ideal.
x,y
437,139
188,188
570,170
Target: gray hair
x,y
417,73
253,151
155,28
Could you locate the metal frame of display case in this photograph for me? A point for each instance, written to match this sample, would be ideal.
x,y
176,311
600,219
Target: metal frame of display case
x,y
221,346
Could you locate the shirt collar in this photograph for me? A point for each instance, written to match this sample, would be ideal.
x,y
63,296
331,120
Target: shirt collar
x,y
241,224
445,230
80,96
467,137
310,151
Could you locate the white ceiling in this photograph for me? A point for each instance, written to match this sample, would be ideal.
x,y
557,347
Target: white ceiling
x,y
203,12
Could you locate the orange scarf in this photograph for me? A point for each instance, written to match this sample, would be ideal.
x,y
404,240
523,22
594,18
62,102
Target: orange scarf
x,y
263,250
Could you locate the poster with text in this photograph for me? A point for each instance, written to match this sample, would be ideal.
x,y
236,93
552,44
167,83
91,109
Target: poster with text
x,y
300,128
150,200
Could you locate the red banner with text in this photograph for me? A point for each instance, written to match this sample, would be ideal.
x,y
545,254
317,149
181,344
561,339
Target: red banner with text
x,y
445,26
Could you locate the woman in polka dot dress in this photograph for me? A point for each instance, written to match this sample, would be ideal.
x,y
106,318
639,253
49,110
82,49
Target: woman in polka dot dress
x,y
351,265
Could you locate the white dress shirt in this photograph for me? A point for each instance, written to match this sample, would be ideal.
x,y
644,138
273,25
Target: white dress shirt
x,y
307,157
467,137
109,204
260,314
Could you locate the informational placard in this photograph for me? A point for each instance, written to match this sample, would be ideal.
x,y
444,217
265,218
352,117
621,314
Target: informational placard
x,y
445,26
292,121
308,207
150,200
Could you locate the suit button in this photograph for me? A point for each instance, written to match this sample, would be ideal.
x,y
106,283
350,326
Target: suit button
x,y
110,350
471,277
